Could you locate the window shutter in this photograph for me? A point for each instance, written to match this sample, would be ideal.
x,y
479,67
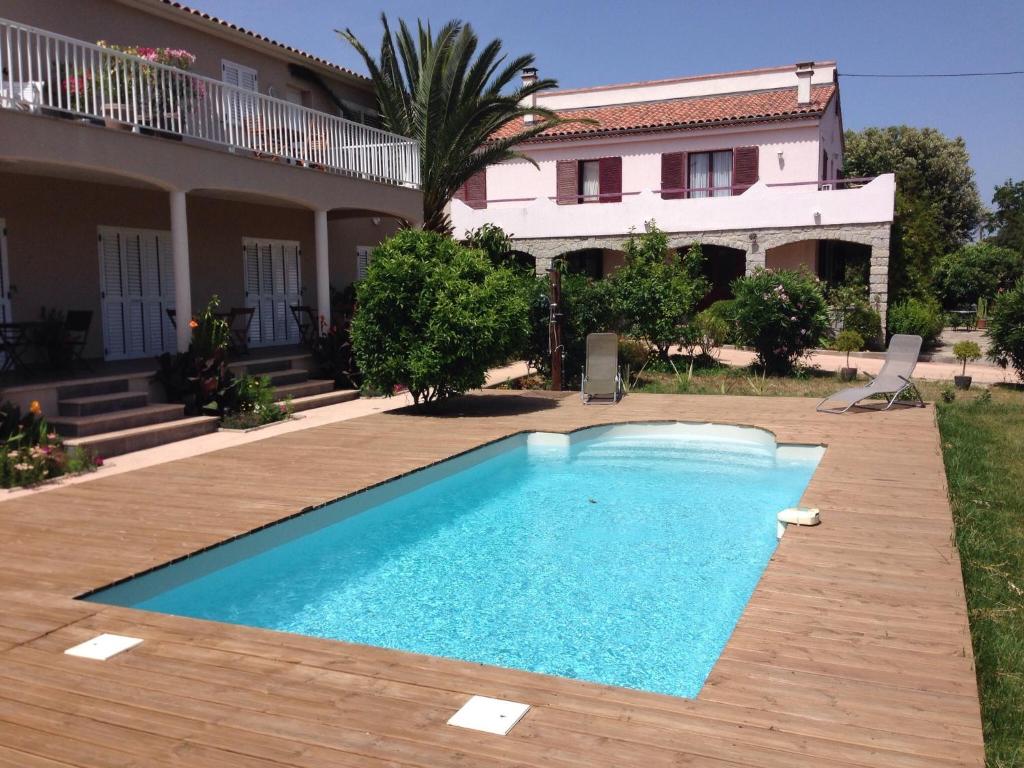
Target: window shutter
x,y
567,187
673,164
744,168
475,193
611,179
363,255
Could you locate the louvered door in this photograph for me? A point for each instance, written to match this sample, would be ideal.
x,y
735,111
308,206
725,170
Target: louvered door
x,y
137,289
273,284
5,277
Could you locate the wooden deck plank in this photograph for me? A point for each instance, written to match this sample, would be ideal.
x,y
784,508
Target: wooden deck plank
x,y
853,651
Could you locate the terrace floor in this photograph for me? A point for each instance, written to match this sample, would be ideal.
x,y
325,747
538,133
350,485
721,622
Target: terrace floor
x,y
853,651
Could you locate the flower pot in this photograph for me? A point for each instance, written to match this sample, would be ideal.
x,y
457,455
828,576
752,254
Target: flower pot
x,y
847,374
962,382
982,323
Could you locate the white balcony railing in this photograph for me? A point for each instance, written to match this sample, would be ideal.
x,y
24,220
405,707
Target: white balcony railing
x,y
47,72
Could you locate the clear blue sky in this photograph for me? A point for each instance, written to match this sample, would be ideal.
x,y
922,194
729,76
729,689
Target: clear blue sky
x,y
591,43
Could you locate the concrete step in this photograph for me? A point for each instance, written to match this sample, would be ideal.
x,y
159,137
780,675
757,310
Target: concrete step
x,y
91,405
83,426
148,436
326,398
91,387
281,378
304,389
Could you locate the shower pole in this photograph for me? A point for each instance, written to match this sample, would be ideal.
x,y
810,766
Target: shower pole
x,y
556,346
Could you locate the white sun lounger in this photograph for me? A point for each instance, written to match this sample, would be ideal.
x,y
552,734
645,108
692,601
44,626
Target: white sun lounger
x,y
892,381
601,379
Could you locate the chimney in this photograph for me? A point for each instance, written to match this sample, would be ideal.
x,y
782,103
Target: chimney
x,y
804,73
529,78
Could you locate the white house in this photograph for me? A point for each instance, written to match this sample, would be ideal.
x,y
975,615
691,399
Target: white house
x,y
749,163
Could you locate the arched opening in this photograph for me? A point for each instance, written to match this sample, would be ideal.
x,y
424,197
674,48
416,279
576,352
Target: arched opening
x,y
836,262
721,266
522,259
586,261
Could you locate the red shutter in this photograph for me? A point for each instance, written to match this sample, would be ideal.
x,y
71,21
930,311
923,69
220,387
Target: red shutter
x,y
744,168
567,186
476,190
610,175
672,166
460,193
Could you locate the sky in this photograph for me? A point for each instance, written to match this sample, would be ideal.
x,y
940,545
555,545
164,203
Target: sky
x,y
593,43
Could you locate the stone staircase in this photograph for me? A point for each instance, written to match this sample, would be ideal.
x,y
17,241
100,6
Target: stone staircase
x,y
291,379
107,417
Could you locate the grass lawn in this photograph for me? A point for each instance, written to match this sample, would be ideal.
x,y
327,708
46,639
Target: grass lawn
x,y
983,449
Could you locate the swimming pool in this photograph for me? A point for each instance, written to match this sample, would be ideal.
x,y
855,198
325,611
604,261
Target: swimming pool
x,y
621,555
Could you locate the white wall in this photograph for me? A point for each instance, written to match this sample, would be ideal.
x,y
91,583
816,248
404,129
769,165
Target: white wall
x,y
641,157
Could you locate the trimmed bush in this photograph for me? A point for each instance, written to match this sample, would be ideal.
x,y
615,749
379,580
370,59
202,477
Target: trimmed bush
x,y
849,341
725,310
433,316
852,311
781,314
1006,329
920,317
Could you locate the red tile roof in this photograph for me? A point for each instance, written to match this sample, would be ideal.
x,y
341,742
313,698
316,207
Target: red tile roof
x,y
263,38
681,113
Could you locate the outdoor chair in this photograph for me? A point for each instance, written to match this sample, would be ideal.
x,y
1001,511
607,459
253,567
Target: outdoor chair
x,y
239,320
76,334
306,320
601,380
892,381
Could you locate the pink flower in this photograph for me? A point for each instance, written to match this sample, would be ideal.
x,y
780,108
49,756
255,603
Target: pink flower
x,y
97,461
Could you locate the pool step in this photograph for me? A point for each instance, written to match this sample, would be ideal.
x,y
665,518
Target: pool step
x,y
115,421
148,436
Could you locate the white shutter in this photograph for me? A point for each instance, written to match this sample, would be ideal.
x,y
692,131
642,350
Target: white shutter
x,y
273,283
239,107
363,253
136,281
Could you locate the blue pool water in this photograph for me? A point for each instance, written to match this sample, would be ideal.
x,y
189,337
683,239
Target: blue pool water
x,y
625,557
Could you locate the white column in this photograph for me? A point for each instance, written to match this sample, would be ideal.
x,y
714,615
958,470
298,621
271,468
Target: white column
x,y
182,280
323,273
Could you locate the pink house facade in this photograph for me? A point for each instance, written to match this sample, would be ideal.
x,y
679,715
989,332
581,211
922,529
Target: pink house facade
x,y
750,164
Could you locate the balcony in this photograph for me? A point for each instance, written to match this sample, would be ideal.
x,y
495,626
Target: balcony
x,y
49,74
788,205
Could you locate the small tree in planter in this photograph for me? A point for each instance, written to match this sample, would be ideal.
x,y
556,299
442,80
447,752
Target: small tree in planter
x,y
965,352
849,341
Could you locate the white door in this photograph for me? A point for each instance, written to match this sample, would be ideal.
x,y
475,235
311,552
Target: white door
x,y
273,285
137,289
5,277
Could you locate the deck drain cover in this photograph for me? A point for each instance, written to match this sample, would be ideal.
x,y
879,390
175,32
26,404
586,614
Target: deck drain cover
x,y
489,715
102,647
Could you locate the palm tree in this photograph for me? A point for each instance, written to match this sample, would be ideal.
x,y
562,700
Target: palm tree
x,y
432,89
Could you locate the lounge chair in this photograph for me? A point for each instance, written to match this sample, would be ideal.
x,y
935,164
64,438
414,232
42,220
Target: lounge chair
x,y
893,380
601,379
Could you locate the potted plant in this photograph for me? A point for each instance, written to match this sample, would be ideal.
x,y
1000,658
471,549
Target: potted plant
x,y
982,321
849,341
965,351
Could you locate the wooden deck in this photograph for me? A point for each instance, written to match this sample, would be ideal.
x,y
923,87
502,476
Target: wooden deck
x,y
853,651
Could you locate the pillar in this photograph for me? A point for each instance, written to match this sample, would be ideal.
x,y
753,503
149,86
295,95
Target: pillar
x,y
323,273
182,278
878,278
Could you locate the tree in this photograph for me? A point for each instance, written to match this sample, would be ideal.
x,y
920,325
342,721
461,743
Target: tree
x,y
976,271
656,291
1008,218
937,201
438,91
1006,329
433,316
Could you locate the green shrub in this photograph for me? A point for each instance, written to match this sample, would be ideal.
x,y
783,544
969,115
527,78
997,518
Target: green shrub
x,y
725,310
976,271
852,311
948,394
31,453
433,316
1006,329
920,317
656,291
200,377
251,401
334,358
781,314
587,307
712,331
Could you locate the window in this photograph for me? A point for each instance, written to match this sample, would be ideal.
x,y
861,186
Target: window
x,y
363,255
298,96
590,181
245,78
710,174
